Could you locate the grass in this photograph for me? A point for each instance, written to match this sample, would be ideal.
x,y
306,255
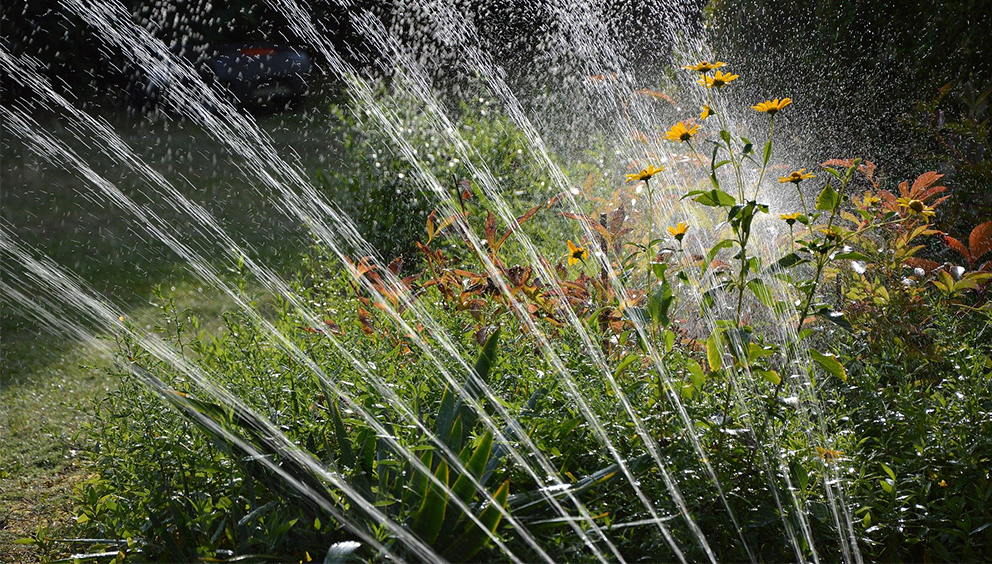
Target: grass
x,y
47,382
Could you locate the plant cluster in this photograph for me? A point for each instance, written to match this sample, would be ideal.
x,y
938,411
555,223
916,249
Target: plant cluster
x,y
779,384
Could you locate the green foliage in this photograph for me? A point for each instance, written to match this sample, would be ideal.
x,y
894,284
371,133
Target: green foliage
x,y
709,386
375,185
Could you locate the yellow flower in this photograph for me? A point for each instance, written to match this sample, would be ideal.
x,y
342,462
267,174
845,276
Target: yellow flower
x,y
829,454
678,231
707,112
576,254
869,200
795,176
790,218
830,233
772,107
718,80
942,483
645,174
916,207
705,66
681,131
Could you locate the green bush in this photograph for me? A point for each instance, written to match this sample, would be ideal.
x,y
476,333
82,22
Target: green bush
x,y
677,388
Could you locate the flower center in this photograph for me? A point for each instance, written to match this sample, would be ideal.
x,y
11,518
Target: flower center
x,y
917,206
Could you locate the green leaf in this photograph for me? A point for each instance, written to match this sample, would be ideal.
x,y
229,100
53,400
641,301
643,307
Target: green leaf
x,y
445,414
660,303
696,373
713,198
836,317
463,488
790,260
417,492
762,291
829,363
713,355
474,538
767,153
770,375
659,269
427,522
828,200
888,471
669,337
627,361
344,443
851,255
725,243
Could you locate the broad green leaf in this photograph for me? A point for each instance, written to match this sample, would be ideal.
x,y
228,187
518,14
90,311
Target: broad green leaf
x,y
696,373
713,355
790,260
828,200
836,317
830,363
627,361
715,198
888,471
660,303
770,375
415,494
767,152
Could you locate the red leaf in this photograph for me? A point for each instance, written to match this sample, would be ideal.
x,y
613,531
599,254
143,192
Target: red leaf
x,y
958,246
530,213
980,240
490,229
396,265
926,264
926,180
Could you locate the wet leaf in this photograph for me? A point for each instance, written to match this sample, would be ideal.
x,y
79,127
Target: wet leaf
x,y
829,363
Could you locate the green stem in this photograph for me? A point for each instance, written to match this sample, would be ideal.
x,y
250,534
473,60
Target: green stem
x,y
764,163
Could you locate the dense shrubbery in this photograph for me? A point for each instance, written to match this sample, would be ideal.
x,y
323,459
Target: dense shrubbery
x,y
841,367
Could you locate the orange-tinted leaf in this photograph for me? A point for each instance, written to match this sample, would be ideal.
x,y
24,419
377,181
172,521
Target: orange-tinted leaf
x,y
924,195
431,226
958,246
448,221
363,317
656,94
927,265
846,163
396,265
980,240
490,229
926,180
554,200
591,223
520,220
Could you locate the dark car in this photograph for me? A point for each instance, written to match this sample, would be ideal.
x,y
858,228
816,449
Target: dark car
x,y
253,76
265,76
